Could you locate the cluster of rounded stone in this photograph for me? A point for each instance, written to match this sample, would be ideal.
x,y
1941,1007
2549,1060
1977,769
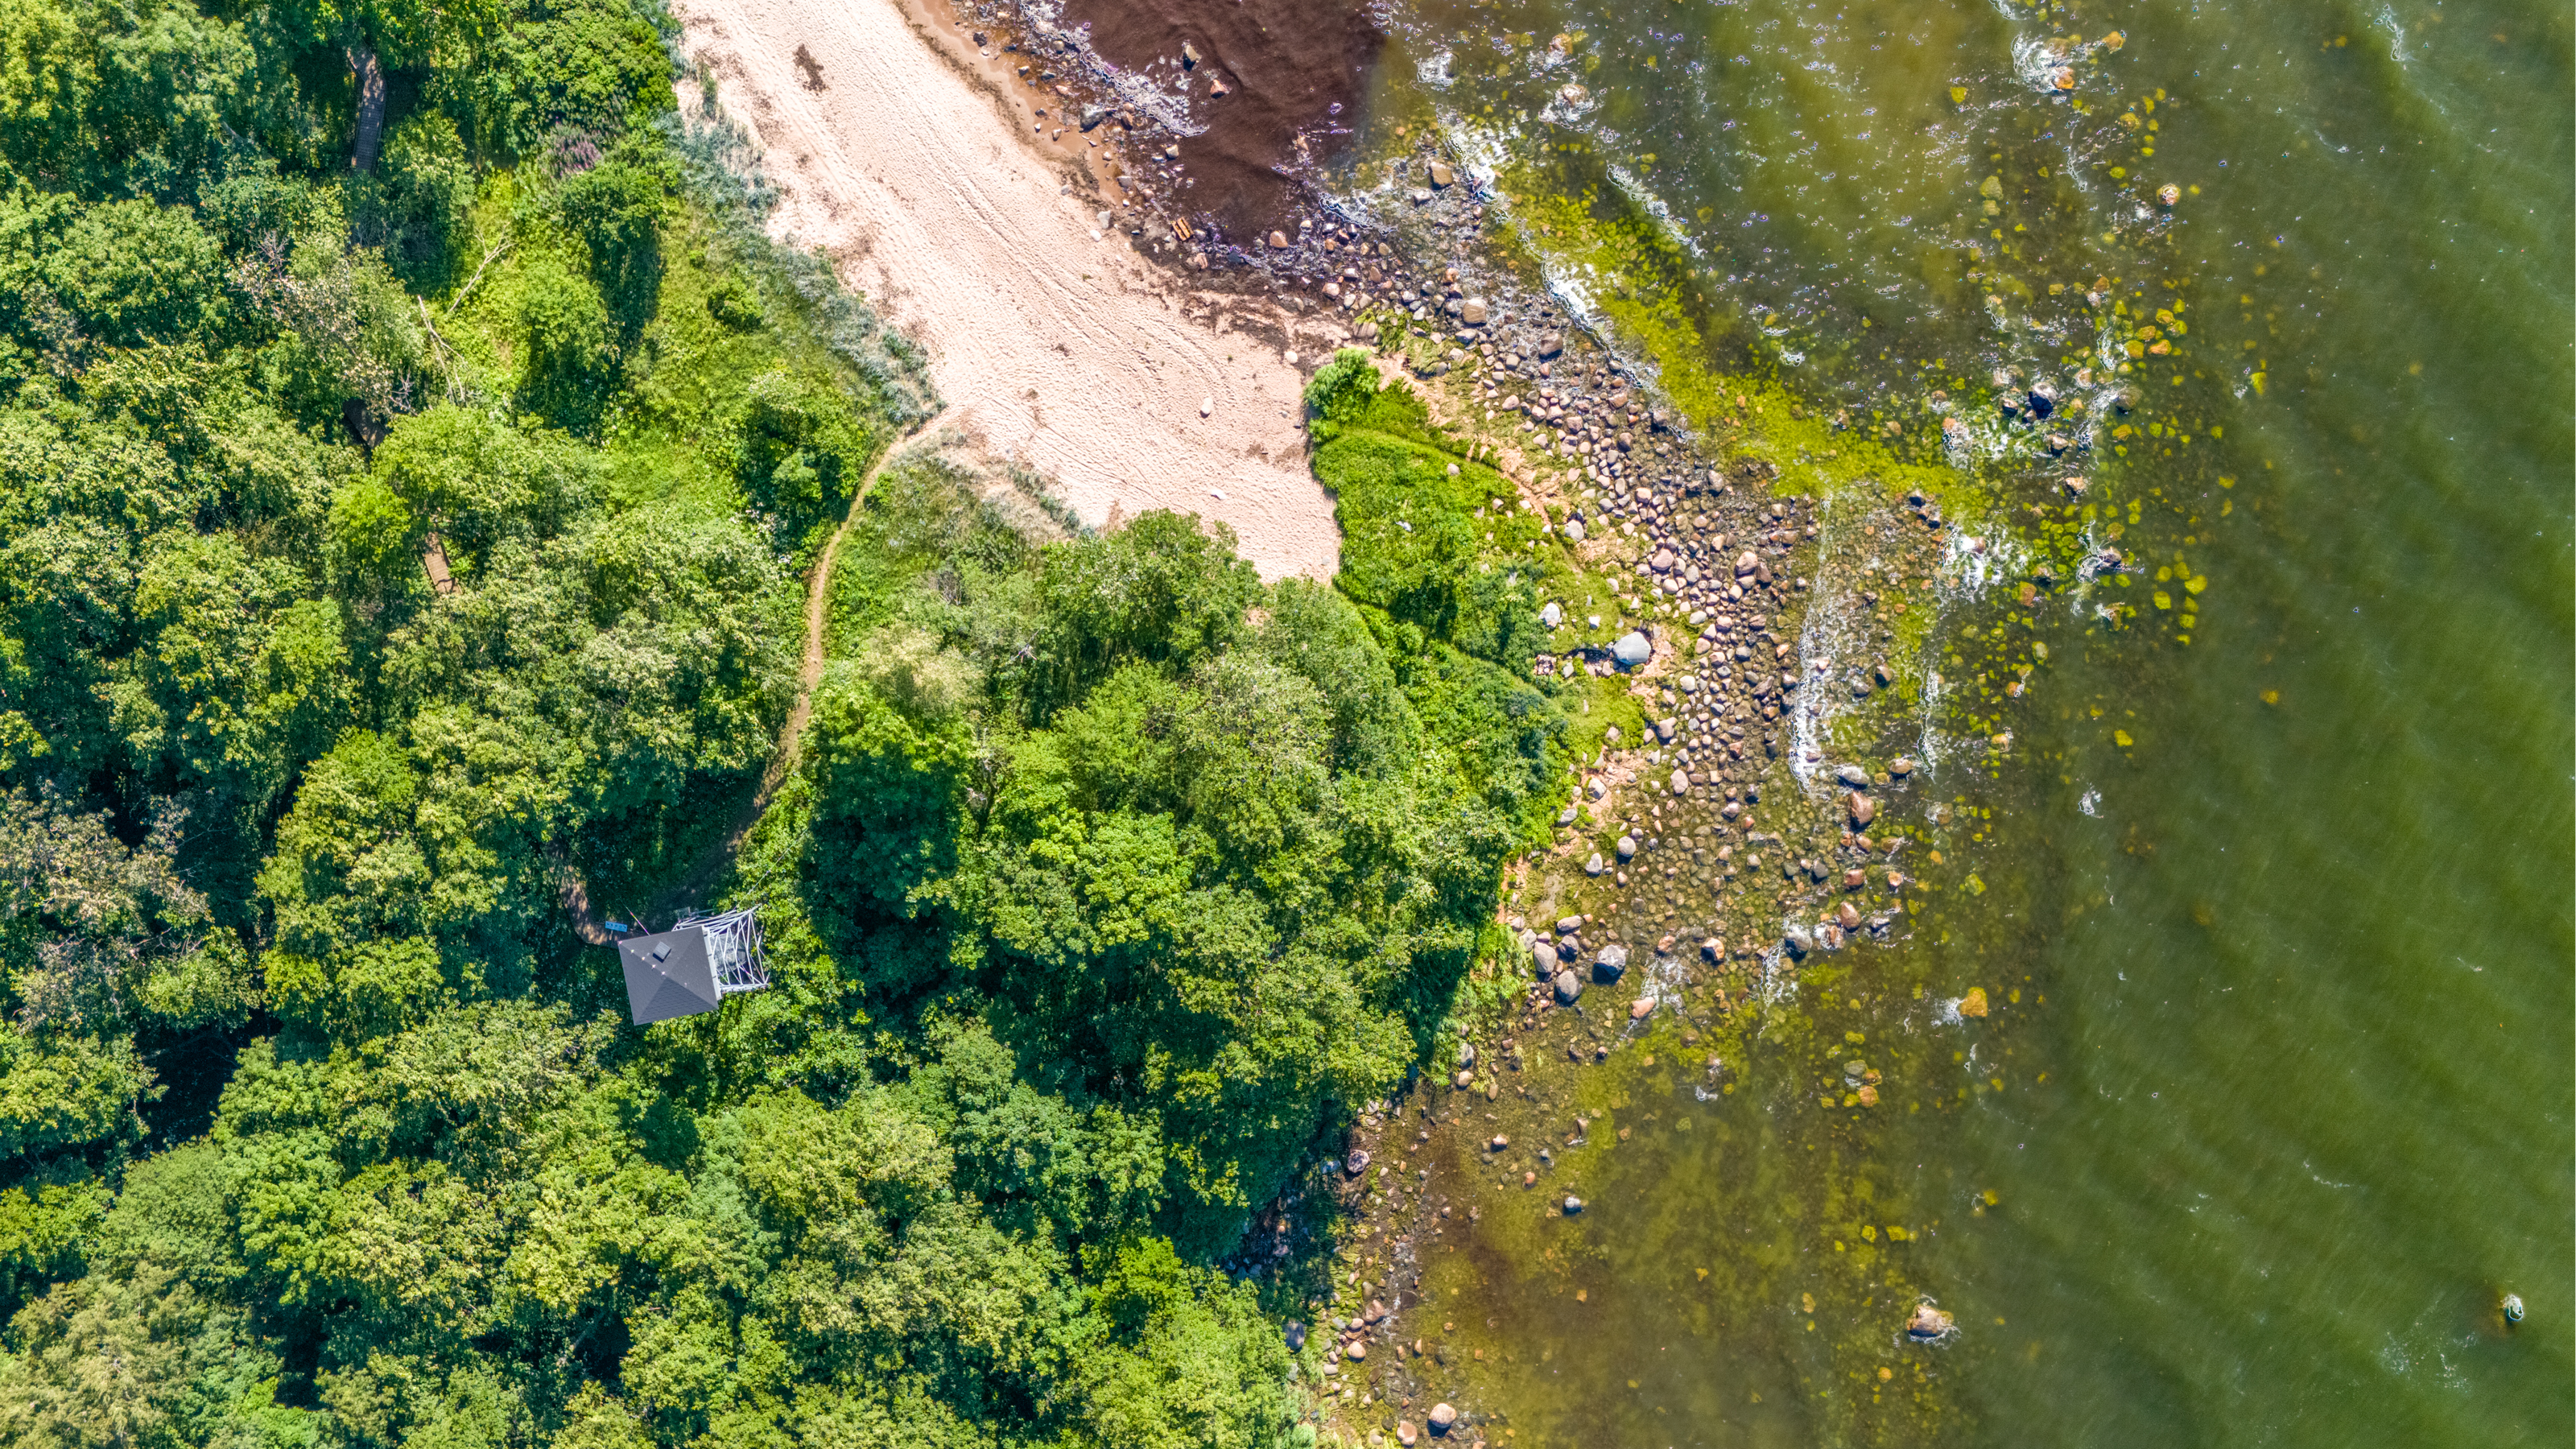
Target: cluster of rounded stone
x,y
1554,959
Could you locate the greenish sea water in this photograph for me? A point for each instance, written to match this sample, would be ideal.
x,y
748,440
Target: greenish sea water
x,y
2278,865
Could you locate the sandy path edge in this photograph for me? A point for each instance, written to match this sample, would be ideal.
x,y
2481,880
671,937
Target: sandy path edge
x,y
907,159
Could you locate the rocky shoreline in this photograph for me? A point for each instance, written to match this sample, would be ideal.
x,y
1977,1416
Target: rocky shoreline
x,y
1691,874
1698,868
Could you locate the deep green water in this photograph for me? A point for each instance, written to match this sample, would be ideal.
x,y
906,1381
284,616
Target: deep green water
x,y
2295,1109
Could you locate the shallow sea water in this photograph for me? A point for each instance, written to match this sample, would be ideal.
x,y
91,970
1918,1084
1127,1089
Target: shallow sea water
x,y
2282,1107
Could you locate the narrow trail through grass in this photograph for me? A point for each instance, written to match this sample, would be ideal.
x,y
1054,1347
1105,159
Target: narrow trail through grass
x,y
694,883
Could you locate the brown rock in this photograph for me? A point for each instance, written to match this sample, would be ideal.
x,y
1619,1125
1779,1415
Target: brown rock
x,y
1863,809
1442,1416
1974,1003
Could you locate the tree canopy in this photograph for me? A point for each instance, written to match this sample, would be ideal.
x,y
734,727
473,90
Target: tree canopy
x,y
385,548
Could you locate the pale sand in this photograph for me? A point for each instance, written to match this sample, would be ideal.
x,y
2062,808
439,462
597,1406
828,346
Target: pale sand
x,y
912,169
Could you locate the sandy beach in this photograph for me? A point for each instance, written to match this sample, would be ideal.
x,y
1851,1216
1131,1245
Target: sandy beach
x,y
908,158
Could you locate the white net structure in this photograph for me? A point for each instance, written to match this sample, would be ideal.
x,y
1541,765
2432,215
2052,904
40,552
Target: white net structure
x,y
733,950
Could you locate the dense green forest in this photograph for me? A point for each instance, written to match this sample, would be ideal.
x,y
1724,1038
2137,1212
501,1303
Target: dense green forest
x,y
415,453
